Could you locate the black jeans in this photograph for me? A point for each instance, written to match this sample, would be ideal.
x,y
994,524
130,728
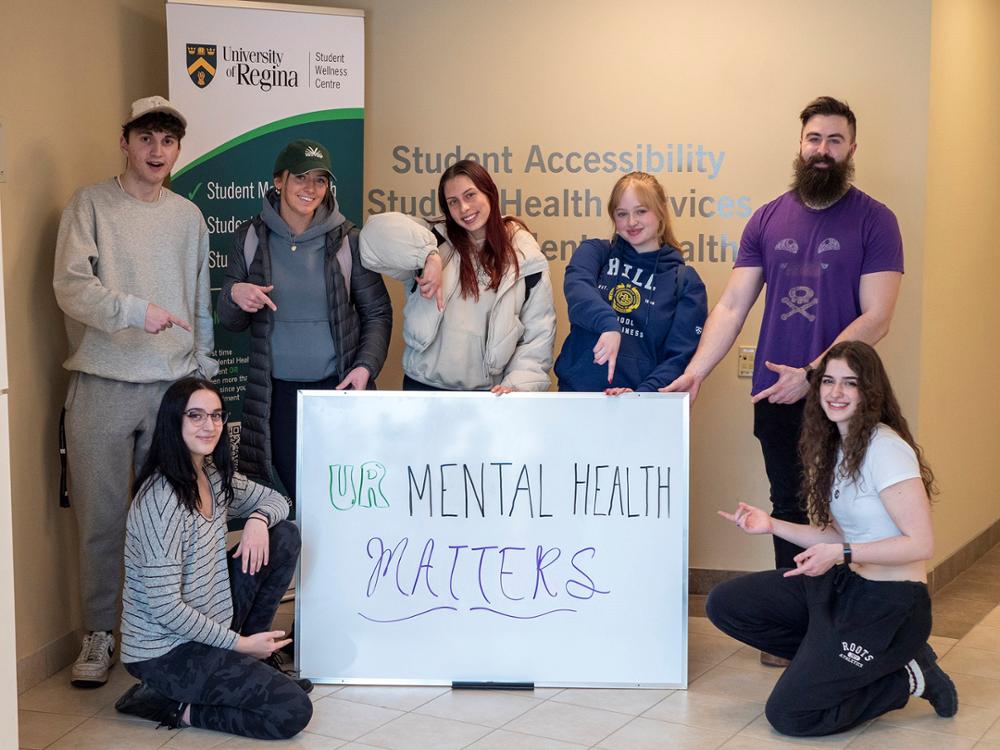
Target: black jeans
x,y
409,384
284,426
233,692
777,427
849,640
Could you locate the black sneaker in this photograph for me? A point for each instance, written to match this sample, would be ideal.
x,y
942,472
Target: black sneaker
x,y
939,690
277,661
142,701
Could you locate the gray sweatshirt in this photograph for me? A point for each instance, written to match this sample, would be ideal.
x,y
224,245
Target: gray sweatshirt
x,y
302,346
114,255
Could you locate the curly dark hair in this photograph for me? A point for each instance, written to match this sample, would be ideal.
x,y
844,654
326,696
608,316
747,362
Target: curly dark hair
x,y
498,253
820,439
156,122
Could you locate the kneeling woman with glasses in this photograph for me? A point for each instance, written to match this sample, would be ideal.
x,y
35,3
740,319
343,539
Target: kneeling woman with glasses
x,y
196,621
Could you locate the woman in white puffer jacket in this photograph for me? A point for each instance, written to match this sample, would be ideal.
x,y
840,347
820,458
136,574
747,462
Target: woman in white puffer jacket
x,y
479,312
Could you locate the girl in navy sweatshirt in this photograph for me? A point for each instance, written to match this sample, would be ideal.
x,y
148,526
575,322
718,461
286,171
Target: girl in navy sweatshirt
x,y
635,310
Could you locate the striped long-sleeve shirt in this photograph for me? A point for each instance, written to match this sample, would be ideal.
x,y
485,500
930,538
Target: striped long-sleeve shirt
x,y
176,573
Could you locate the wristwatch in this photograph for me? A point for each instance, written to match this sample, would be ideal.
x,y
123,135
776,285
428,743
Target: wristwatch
x,y
847,553
809,371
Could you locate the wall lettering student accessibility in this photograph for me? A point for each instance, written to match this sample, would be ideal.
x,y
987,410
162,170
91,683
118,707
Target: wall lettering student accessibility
x,y
463,537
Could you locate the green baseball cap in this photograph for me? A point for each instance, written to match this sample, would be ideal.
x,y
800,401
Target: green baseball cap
x,y
301,156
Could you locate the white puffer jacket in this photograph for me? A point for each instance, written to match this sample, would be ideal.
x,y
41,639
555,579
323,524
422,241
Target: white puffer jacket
x,y
520,330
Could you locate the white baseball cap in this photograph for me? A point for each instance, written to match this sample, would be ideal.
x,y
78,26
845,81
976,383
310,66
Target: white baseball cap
x,y
150,104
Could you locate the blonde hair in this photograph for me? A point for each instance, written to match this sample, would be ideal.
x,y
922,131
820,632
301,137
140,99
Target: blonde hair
x,y
651,194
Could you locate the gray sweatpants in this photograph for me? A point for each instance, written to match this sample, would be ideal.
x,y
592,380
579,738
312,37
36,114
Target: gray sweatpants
x,y
109,425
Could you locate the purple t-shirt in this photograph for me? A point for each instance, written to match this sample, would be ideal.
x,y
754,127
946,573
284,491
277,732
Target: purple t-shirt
x,y
813,262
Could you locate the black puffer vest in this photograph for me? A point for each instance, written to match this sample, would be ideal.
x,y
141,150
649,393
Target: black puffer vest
x,y
361,324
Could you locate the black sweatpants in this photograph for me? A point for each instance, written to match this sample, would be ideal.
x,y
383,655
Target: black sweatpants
x,y
777,427
848,638
232,692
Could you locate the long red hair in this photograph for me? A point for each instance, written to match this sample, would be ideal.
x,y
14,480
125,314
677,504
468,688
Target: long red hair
x,y
498,253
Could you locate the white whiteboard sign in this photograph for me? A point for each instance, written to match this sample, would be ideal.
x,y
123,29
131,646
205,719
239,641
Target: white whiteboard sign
x,y
468,537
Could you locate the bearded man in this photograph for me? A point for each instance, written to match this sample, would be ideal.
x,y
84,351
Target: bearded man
x,y
832,260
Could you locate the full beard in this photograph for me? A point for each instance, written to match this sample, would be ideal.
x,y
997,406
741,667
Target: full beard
x,y
819,186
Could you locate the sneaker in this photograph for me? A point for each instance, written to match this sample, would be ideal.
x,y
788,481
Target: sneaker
x,y
939,690
95,659
277,661
143,701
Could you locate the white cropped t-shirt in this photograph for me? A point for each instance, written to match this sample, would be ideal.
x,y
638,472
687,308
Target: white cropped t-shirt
x,y
855,503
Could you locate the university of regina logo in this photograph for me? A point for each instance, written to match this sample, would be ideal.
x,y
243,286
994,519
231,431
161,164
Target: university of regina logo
x,y
624,298
201,63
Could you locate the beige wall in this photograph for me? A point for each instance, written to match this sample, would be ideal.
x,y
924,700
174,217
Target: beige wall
x,y
71,68
565,75
729,75
959,404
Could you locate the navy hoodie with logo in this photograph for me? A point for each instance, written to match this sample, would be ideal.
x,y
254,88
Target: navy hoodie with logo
x,y
656,302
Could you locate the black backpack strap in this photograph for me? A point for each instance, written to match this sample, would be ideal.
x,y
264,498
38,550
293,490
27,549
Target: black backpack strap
x,y
530,281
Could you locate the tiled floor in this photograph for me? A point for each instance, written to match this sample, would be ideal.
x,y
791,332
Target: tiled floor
x,y
722,708
969,598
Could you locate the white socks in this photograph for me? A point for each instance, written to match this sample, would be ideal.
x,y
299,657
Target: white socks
x,y
916,676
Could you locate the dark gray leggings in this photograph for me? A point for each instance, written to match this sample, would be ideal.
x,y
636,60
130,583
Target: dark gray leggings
x,y
232,692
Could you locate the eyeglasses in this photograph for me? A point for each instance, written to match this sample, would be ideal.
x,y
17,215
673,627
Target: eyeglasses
x,y
198,416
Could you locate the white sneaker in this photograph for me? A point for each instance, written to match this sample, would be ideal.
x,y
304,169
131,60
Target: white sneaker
x,y
95,659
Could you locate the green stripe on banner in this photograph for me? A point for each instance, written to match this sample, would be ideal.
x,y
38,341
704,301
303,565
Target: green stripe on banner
x,y
351,113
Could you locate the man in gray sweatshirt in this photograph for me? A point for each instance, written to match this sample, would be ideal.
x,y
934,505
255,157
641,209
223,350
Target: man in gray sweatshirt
x,y
131,275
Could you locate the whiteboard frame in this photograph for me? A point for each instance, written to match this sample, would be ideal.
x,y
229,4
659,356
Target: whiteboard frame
x,y
304,397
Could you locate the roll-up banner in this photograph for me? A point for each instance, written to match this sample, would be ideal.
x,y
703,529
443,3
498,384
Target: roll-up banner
x,y
250,77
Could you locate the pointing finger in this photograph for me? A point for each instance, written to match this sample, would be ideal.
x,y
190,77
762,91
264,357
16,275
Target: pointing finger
x,y
172,320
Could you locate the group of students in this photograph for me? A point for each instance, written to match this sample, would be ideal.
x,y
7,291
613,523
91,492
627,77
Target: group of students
x,y
852,616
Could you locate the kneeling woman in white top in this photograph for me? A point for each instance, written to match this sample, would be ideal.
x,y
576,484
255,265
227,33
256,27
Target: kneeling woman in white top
x,y
196,622
478,314
854,614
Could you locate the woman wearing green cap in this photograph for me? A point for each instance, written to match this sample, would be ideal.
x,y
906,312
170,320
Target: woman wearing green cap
x,y
318,319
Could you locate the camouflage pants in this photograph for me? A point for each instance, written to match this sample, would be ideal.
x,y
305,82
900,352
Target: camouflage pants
x,y
232,692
